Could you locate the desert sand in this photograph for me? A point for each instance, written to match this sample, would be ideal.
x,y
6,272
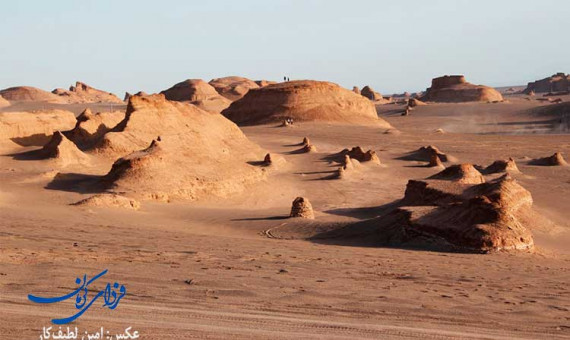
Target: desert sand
x,y
449,223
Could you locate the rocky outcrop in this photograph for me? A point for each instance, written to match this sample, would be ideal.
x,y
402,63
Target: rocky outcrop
x,y
90,128
360,155
83,93
199,155
555,160
483,217
454,89
506,165
558,82
425,154
302,208
233,88
369,93
199,93
62,150
302,101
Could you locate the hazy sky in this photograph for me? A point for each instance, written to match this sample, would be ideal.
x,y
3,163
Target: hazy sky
x,y
392,45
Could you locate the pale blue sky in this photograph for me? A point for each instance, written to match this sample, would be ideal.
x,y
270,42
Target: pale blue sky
x,y
392,45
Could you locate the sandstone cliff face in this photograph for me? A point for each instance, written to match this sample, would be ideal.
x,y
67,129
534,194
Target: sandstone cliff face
x,y
454,89
558,82
303,100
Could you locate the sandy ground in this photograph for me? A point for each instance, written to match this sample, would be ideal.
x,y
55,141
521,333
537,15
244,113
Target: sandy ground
x,y
209,270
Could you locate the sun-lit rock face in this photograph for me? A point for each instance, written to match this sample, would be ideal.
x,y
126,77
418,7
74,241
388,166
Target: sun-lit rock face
x,y
172,150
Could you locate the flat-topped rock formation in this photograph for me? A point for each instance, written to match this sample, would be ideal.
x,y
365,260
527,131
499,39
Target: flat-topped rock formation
x,y
558,82
303,100
484,217
83,93
233,88
454,89
199,93
193,154
29,94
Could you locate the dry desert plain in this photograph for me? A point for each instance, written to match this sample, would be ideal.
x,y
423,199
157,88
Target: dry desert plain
x,y
226,261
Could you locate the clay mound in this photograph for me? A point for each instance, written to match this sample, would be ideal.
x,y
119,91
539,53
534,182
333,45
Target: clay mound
x,y
558,82
454,89
83,93
303,100
425,153
4,102
507,165
62,150
302,208
34,128
29,94
443,216
262,83
199,93
90,127
435,161
109,201
233,88
199,155
358,153
485,217
413,102
554,160
460,173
